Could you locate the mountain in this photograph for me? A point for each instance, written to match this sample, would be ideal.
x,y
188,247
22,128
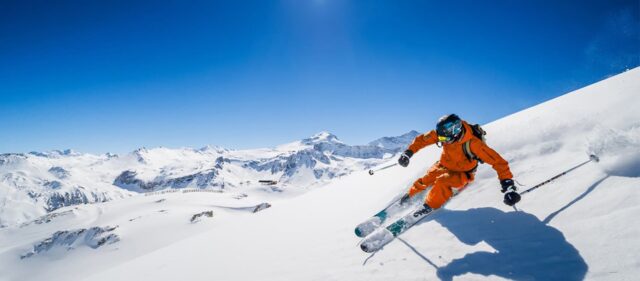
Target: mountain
x,y
398,142
37,183
34,184
582,226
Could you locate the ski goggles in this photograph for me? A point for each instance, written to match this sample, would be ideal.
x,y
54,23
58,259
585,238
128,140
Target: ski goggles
x,y
444,139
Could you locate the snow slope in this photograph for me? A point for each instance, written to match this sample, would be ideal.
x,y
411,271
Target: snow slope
x,y
582,226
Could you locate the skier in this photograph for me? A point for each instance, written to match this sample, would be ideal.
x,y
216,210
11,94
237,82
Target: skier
x,y
461,152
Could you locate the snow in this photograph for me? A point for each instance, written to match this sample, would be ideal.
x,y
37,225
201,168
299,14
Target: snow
x,y
581,226
31,185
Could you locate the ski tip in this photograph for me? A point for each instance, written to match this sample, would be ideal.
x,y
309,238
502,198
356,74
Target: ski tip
x,y
366,249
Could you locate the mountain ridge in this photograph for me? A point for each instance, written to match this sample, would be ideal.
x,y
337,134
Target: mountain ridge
x,y
37,183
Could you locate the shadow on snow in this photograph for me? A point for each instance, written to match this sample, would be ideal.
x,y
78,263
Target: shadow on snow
x,y
582,196
525,247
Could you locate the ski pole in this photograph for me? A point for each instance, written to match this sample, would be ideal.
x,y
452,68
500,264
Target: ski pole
x,y
591,158
380,169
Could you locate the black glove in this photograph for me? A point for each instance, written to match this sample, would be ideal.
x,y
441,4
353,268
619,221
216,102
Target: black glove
x,y
405,199
404,158
511,196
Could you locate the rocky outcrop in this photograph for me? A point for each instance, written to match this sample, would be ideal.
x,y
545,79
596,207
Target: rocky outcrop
x,y
128,180
59,172
48,218
196,217
261,207
94,237
57,200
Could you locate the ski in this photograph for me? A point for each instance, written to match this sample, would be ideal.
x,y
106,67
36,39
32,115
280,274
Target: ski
x,y
370,225
376,240
367,227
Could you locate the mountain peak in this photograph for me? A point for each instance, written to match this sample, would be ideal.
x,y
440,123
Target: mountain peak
x,y
323,136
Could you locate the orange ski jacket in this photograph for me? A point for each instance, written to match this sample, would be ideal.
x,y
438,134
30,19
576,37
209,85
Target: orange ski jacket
x,y
454,158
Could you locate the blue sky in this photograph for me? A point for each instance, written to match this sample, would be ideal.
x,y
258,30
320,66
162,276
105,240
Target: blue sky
x,y
100,76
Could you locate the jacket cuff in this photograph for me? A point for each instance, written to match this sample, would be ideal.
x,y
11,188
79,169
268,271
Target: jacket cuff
x,y
408,152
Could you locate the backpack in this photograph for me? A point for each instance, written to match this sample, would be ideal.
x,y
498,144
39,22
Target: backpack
x,y
479,133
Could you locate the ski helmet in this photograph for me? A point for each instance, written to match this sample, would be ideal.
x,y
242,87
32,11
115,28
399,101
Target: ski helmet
x,y
449,128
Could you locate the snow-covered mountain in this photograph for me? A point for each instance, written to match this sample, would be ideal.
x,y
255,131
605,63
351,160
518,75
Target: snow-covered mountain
x,y
398,143
581,226
36,183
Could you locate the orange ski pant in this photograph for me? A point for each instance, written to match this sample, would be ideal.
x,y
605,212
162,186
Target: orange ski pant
x,y
442,180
